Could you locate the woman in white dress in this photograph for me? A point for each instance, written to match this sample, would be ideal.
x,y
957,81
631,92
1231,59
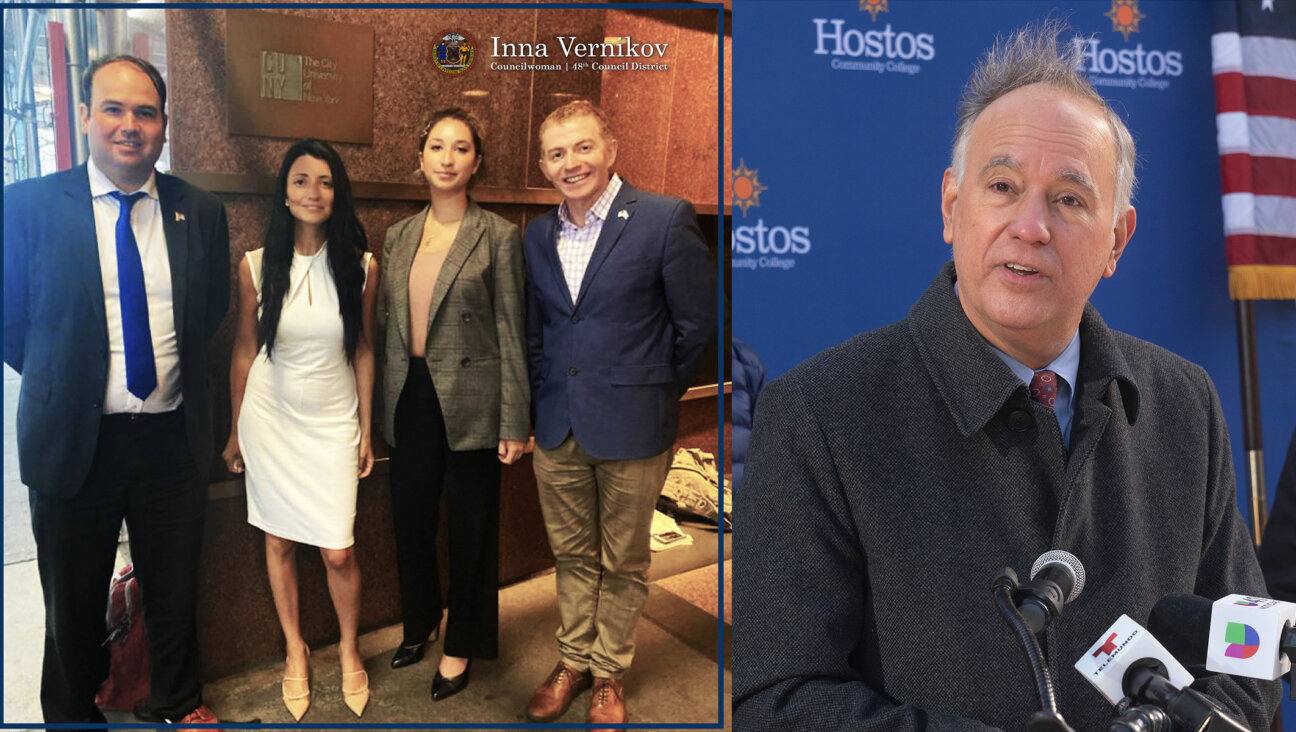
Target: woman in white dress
x,y
301,386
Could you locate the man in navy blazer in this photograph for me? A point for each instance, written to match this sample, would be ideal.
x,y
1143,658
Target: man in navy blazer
x,y
115,277
620,304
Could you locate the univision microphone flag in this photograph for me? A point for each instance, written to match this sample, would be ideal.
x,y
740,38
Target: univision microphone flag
x,y
1253,55
1246,637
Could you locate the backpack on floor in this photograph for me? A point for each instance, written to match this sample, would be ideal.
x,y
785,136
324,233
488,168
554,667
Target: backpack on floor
x,y
127,684
692,489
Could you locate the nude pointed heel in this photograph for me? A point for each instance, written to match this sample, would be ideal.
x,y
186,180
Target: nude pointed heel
x,y
298,698
356,699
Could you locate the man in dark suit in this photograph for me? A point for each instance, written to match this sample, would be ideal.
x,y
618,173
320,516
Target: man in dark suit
x,y
620,305
115,277
889,478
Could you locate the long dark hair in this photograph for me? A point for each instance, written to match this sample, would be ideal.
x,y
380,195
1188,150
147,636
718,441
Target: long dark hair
x,y
346,247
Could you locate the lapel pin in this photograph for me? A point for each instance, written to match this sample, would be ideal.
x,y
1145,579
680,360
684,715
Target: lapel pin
x,y
179,216
623,214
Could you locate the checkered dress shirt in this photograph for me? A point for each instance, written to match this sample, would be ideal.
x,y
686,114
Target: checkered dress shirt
x,y
576,243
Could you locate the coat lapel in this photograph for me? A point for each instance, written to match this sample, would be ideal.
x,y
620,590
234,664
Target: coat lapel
x,y
175,226
86,257
612,228
465,241
555,263
402,260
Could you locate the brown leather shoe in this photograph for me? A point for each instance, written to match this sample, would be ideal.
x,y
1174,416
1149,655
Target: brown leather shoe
x,y
200,715
607,703
552,698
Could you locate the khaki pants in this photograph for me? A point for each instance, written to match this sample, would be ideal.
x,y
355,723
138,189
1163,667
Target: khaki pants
x,y
598,514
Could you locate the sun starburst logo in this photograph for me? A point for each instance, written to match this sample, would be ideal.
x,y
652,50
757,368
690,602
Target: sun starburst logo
x,y
1125,16
746,187
874,7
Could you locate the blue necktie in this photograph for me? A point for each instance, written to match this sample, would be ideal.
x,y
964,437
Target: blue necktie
x,y
141,372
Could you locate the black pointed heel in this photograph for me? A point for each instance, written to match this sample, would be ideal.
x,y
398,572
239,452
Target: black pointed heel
x,y
443,688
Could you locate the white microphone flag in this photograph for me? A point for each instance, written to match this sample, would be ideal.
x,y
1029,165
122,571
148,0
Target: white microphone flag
x,y
1246,634
1124,643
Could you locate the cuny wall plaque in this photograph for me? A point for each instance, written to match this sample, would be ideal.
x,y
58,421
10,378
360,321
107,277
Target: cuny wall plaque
x,y
290,76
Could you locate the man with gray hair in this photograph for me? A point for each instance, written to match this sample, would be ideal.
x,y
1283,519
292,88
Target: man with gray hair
x,y
999,420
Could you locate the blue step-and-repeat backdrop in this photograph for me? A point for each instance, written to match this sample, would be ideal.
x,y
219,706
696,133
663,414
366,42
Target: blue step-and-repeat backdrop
x,y
844,115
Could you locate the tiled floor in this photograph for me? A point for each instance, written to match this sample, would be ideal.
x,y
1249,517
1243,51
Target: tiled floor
x,y
699,587
675,679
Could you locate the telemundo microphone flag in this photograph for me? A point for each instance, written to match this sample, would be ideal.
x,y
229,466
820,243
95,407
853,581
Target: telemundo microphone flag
x,y
1253,55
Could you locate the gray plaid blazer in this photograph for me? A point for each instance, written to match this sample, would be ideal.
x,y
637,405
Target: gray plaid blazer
x,y
476,350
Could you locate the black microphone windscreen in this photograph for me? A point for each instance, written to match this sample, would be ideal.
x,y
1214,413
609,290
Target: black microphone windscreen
x,y
1182,623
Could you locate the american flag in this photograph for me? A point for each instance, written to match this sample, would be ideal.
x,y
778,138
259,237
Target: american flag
x,y
1253,54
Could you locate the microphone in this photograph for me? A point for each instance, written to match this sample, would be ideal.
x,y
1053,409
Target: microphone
x,y
1130,667
1057,578
1252,636
1182,623
1123,646
1239,635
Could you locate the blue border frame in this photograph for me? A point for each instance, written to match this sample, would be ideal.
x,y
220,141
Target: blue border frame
x,y
723,356
722,349
377,5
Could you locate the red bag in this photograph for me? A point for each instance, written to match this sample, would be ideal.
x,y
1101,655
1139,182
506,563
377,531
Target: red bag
x,y
127,684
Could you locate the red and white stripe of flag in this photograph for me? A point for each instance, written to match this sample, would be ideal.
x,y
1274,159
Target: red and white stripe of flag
x,y
1255,94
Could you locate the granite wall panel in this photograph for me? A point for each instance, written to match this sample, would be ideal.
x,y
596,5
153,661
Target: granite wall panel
x,y
664,117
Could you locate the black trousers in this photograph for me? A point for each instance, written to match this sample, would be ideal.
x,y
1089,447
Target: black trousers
x,y
422,464
144,473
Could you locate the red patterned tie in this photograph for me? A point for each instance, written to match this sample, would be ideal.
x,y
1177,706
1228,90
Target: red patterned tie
x,y
1043,387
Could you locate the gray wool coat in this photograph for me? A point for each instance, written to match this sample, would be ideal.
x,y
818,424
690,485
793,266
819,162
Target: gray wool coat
x,y
476,348
890,477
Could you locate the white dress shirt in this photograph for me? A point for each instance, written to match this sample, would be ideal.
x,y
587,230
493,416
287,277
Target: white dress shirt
x,y
146,222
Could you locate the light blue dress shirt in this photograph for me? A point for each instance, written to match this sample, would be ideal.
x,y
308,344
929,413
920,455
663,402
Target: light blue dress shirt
x,y
1065,366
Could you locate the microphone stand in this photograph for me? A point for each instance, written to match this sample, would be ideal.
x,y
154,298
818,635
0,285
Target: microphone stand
x,y
1185,709
1141,718
1049,719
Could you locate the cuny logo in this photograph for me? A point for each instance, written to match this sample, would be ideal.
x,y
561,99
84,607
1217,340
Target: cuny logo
x,y
1243,640
1107,647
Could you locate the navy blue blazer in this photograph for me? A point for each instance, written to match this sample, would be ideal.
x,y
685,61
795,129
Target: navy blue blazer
x,y
611,368
55,328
